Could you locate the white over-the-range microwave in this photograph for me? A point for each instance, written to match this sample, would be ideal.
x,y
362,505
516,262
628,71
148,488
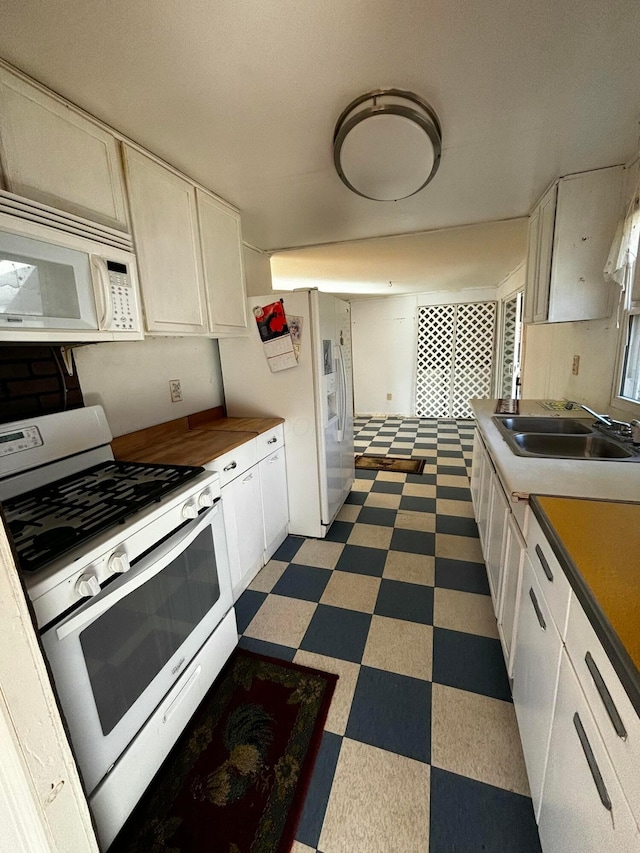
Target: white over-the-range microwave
x,y
63,278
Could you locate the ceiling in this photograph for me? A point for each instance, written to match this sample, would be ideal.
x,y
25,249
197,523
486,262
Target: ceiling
x,y
244,96
455,259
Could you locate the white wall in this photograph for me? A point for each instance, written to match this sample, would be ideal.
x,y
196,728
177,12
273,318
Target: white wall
x,y
257,271
131,379
384,340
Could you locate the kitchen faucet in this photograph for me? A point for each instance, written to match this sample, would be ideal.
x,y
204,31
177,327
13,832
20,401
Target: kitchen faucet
x,y
621,427
604,419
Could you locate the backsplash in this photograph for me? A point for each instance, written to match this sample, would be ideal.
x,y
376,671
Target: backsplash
x,y
34,381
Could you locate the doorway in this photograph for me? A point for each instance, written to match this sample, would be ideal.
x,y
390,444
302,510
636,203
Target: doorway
x,y
454,358
511,345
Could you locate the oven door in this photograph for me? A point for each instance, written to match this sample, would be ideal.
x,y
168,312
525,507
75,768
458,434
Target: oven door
x,y
116,657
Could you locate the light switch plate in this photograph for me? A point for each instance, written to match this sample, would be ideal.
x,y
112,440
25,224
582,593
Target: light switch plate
x,y
176,390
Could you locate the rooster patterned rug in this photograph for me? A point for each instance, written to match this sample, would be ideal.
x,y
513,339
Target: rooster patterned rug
x,y
236,780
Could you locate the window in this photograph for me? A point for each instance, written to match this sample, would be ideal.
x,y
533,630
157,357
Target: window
x,y
630,379
623,268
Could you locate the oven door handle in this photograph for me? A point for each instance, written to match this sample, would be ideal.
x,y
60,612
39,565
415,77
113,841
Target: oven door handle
x,y
144,571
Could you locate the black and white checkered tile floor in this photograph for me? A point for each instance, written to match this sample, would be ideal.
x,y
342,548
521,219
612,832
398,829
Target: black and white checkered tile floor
x,y
421,749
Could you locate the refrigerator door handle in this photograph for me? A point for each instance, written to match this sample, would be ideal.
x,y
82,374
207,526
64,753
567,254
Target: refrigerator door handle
x,y
342,397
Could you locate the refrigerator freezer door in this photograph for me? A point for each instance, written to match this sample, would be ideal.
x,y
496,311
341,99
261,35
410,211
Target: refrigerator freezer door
x,y
334,406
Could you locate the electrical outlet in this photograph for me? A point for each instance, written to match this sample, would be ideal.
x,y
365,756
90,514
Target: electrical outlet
x,y
389,396
176,390
575,367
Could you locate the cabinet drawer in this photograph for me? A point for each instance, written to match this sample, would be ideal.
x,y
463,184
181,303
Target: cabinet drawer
x,y
270,441
550,575
614,714
235,462
583,808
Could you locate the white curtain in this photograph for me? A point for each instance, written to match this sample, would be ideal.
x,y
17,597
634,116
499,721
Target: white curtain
x,y
621,262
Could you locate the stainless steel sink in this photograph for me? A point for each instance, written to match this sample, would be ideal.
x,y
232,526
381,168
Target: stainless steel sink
x,y
562,426
569,446
562,438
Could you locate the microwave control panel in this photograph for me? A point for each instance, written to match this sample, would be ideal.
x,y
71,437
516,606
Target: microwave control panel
x,y
123,300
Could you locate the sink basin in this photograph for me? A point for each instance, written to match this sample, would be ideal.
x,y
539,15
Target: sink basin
x,y
557,426
569,446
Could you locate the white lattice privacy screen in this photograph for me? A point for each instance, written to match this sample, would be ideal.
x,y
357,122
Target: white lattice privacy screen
x,y
455,358
509,328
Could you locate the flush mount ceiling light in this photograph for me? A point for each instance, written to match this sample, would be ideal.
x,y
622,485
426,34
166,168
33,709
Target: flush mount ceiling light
x,y
387,145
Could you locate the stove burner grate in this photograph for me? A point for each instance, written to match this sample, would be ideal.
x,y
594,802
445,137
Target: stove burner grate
x,y
53,519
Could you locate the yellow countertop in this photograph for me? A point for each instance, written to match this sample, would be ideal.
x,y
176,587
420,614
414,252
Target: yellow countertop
x,y
194,440
602,540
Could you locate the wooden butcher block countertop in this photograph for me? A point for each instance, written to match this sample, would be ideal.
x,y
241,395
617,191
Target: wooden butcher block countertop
x,y
254,425
194,440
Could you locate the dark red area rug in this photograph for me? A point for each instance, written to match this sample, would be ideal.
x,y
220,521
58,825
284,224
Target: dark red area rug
x,y
236,780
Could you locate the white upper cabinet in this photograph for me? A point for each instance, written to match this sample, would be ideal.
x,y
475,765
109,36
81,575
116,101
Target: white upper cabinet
x,y
165,228
53,154
223,265
570,233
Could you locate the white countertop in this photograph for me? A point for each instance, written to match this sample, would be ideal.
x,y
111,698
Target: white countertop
x,y
523,476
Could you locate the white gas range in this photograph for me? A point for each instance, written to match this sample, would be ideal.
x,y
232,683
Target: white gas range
x,y
127,569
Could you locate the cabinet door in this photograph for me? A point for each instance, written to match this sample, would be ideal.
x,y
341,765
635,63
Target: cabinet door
x,y
583,806
535,678
275,504
533,246
589,205
513,555
223,265
545,254
498,515
247,507
484,501
476,466
56,156
163,210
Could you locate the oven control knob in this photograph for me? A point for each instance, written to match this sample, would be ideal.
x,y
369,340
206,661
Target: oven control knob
x,y
190,510
118,563
87,585
205,499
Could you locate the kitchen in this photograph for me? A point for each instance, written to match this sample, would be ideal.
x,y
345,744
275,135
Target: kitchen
x,y
134,400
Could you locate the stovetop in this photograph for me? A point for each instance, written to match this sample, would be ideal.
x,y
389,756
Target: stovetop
x,y
49,521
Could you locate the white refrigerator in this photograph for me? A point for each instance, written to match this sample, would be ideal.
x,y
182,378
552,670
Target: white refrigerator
x,y
315,398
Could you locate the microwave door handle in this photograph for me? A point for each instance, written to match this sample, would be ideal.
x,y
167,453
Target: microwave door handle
x,y
103,292
153,565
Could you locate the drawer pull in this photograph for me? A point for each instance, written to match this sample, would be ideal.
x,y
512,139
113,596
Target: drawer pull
x,y
591,761
607,701
247,478
272,440
230,467
543,562
536,607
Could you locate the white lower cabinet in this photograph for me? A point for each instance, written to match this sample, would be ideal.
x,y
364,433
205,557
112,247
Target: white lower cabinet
x,y
535,678
253,478
273,482
502,544
583,806
242,504
512,561
496,527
